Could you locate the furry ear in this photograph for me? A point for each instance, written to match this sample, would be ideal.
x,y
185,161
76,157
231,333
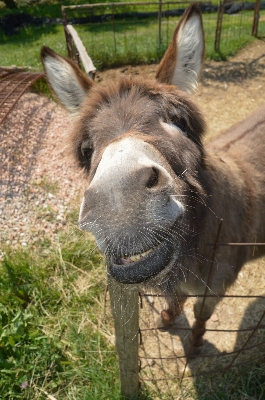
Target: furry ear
x,y
182,62
68,82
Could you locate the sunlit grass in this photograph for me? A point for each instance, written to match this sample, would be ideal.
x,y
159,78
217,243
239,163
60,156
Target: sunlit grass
x,y
23,49
112,44
56,334
53,337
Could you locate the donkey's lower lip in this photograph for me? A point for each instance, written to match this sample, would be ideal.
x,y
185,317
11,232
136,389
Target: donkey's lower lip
x,y
143,269
136,257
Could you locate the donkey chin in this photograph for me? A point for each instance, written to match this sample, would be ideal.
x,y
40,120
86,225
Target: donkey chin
x,y
143,267
147,266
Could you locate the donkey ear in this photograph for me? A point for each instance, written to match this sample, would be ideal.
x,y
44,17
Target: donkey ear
x,y
182,62
68,82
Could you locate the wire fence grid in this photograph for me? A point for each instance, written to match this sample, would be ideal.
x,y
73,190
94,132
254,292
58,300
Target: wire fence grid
x,y
235,341
140,32
235,334
236,23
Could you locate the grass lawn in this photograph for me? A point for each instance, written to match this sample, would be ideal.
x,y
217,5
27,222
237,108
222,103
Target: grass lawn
x,y
110,44
53,335
56,335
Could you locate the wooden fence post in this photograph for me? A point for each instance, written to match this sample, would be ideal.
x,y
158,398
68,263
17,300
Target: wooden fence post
x,y
67,36
159,21
256,18
124,301
219,22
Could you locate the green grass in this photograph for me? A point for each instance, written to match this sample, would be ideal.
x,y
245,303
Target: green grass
x,y
52,335
55,335
136,42
24,49
125,42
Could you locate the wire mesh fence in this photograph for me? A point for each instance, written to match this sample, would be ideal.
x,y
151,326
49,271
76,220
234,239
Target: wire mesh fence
x,y
231,339
139,32
234,24
119,33
260,21
234,336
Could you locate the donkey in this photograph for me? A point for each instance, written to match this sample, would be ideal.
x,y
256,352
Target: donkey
x,y
155,193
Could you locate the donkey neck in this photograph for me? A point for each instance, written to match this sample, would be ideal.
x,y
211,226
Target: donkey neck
x,y
232,197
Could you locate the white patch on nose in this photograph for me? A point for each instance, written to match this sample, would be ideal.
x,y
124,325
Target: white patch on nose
x,y
121,163
172,129
126,156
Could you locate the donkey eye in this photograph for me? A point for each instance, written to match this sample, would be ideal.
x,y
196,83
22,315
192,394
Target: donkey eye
x,y
87,153
182,125
86,149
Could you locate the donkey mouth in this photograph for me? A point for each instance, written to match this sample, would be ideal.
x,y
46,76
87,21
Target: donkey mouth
x,y
139,268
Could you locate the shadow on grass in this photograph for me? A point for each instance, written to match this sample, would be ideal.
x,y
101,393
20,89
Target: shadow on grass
x,y
233,71
27,35
39,9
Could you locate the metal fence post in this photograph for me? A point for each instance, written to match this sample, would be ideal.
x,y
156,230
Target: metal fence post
x,y
124,301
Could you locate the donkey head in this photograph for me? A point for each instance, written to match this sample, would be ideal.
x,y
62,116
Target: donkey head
x,y
140,143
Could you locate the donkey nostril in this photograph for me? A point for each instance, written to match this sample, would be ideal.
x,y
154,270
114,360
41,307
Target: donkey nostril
x,y
153,179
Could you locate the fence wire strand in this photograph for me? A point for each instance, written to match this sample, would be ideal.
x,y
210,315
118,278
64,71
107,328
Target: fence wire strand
x,y
156,362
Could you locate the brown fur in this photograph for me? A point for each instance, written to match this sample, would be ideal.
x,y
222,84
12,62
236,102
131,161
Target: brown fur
x,y
228,174
225,179
111,111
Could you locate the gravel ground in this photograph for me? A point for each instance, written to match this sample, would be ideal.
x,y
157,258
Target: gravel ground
x,y
37,178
